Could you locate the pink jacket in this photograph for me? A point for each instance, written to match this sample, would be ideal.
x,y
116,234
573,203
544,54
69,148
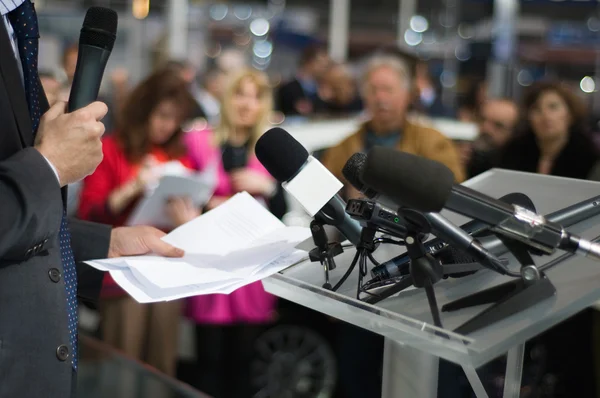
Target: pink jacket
x,y
249,304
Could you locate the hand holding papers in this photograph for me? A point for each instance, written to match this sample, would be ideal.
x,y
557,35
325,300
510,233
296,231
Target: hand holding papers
x,y
175,180
237,243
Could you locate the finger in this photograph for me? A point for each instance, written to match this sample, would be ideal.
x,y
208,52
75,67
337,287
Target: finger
x,y
56,110
98,129
162,248
96,110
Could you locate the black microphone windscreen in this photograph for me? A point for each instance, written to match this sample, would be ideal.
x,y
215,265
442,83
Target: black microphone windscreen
x,y
413,181
352,171
280,154
99,28
353,168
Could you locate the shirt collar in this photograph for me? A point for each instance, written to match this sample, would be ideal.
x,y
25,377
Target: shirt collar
x,y
7,6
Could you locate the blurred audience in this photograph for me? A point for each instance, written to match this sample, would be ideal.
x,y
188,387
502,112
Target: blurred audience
x,y
338,92
300,96
554,140
497,123
227,325
148,136
428,99
470,107
386,88
51,85
387,94
209,94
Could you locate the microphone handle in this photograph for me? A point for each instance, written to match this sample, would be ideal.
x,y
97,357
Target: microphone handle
x,y
334,214
91,62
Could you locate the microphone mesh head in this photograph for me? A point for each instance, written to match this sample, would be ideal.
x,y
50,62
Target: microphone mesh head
x,y
352,171
353,168
414,181
280,154
99,28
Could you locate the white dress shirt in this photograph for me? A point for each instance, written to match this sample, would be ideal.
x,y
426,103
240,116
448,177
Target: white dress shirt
x,y
7,6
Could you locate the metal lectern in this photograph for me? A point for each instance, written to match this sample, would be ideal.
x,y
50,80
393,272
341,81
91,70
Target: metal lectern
x,y
413,345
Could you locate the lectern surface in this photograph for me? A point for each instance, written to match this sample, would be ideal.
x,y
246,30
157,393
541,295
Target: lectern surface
x,y
406,318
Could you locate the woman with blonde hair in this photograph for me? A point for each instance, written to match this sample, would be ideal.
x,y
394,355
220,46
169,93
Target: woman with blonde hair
x,y
227,325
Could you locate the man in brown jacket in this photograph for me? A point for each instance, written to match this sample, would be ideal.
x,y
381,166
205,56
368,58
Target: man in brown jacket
x,y
386,90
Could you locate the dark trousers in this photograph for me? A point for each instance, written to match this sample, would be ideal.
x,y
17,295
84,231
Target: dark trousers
x,y
74,384
224,355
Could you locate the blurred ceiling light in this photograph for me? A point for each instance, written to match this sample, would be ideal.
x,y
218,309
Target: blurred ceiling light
x,y
242,12
218,12
263,49
140,8
587,85
462,53
524,78
259,27
429,38
448,79
419,24
412,38
593,24
243,40
214,51
465,31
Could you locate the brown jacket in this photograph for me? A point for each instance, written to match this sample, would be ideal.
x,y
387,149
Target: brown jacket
x,y
415,139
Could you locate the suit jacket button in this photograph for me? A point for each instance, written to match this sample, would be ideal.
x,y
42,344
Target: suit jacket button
x,y
54,275
62,353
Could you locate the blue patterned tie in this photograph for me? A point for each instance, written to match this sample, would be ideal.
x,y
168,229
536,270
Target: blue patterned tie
x,y
25,24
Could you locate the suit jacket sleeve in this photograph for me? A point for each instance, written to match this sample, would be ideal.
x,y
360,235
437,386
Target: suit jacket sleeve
x,y
30,205
89,241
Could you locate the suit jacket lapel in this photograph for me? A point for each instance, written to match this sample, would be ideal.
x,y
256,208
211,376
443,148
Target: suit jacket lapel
x,y
14,85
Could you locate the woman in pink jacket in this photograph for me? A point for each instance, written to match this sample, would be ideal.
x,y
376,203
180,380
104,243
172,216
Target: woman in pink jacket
x,y
227,325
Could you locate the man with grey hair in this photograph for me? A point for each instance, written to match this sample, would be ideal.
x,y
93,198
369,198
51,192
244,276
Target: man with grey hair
x,y
387,93
386,89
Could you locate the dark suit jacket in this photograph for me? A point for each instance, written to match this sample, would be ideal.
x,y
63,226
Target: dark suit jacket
x,y
289,94
576,160
33,304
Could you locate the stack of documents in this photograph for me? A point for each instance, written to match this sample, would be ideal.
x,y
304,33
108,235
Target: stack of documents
x,y
235,244
175,180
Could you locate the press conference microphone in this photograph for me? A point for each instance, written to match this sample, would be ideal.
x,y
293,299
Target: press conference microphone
x,y
428,186
442,227
96,41
307,180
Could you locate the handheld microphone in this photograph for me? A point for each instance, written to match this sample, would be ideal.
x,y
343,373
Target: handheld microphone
x,y
307,180
441,227
428,186
234,158
96,41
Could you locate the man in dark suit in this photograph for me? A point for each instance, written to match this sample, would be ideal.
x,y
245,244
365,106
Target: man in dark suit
x,y
300,95
41,274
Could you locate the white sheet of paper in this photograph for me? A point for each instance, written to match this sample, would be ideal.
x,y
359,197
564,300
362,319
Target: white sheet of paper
x,y
237,243
174,181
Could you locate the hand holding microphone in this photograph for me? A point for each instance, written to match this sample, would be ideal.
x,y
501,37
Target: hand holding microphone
x,y
71,141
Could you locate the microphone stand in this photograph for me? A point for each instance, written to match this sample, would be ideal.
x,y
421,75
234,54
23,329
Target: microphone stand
x,y
424,269
511,297
324,252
